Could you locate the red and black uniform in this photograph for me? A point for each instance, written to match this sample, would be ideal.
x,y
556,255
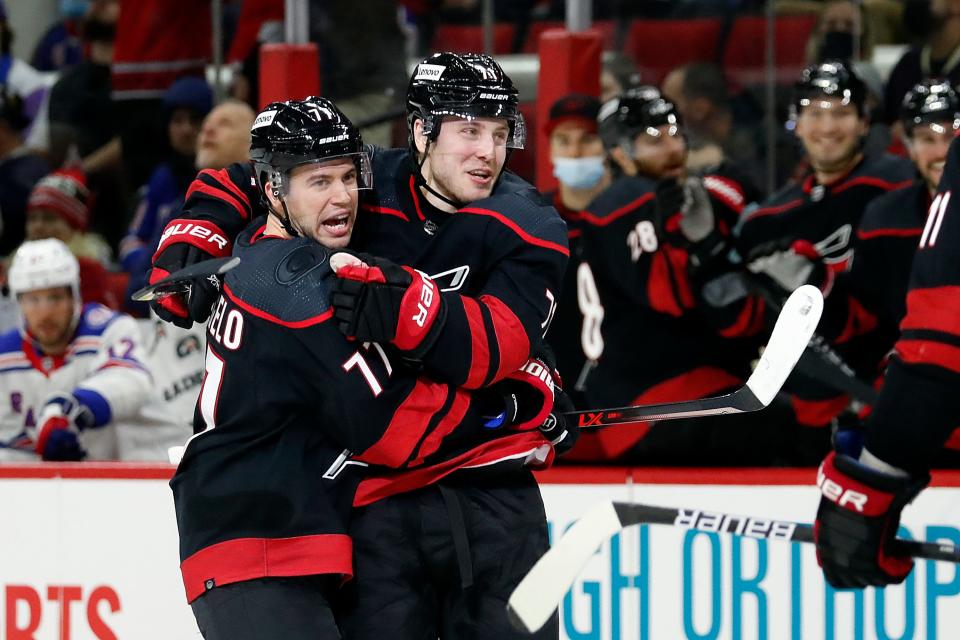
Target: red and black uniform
x,y
866,303
566,331
919,405
826,216
266,485
499,263
656,346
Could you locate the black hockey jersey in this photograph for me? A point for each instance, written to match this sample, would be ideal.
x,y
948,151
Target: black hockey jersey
x,y
655,345
267,482
919,405
499,263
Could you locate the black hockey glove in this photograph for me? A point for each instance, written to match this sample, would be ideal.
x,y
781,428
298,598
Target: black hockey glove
x,y
378,301
857,521
561,431
667,205
184,243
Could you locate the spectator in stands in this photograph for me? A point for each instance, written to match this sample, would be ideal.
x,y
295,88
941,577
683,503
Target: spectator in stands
x,y
938,56
619,73
81,111
718,127
186,103
59,208
61,46
72,370
579,165
225,135
19,171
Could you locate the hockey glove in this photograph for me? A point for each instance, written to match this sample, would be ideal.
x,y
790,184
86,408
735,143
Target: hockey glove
x,y
61,420
525,397
184,243
667,208
559,430
791,263
857,521
379,301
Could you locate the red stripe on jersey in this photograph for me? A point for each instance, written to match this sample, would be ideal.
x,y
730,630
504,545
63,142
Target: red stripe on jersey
x,y
410,421
385,211
931,309
511,337
599,221
859,321
513,446
479,349
430,445
604,445
269,317
251,558
888,233
929,352
660,286
416,197
220,194
222,177
749,321
546,244
818,413
769,211
871,181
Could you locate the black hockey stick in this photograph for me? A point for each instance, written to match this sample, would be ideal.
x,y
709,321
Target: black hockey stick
x,y
797,320
179,281
539,593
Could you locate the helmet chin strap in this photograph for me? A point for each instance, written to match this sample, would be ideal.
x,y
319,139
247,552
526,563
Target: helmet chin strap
x,y
285,221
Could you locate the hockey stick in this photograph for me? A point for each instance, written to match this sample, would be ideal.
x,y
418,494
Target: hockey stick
x,y
539,593
179,281
795,324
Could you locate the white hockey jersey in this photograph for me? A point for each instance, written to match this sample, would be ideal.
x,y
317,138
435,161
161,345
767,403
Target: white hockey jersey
x,y
175,358
105,357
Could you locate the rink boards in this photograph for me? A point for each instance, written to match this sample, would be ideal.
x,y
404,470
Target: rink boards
x,y
90,551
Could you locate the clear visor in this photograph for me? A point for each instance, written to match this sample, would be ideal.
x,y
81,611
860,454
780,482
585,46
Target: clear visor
x,y
516,137
360,160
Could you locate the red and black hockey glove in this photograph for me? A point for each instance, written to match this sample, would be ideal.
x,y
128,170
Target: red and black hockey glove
x,y
184,243
857,522
380,301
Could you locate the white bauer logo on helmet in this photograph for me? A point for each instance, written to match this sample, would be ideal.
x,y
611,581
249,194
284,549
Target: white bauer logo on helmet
x,y
45,264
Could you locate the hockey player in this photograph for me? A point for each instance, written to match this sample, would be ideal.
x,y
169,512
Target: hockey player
x,y
481,323
866,487
868,302
263,493
639,304
72,370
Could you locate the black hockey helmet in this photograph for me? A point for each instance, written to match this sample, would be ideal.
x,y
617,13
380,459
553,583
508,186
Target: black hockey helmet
x,y
466,85
831,79
287,134
928,102
639,110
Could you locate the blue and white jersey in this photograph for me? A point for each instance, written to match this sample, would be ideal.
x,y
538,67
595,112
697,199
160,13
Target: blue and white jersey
x,y
103,368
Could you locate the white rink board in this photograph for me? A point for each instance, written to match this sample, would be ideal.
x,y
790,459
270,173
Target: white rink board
x,y
105,550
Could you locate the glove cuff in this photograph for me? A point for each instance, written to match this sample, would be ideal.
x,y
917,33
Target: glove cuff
x,y
202,234
422,315
858,488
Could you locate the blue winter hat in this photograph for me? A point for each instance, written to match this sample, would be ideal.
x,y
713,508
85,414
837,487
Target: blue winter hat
x,y
190,92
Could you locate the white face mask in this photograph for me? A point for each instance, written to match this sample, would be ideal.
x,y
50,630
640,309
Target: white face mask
x,y
579,173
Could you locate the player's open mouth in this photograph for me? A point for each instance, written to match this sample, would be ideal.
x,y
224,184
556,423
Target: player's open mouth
x,y
481,176
338,225
937,166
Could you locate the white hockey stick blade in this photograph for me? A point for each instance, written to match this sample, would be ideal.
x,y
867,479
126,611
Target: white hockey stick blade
x,y
535,599
795,326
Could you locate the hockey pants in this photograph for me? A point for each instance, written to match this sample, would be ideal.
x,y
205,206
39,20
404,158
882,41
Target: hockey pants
x,y
440,562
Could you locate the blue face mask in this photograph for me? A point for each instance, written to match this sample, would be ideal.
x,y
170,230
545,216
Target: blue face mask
x,y
579,173
73,8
